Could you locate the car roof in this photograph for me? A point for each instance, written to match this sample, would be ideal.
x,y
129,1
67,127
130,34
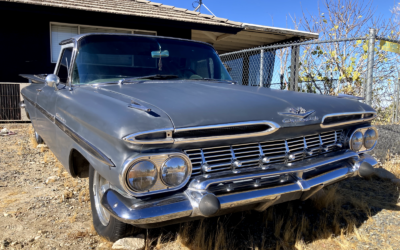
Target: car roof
x,y
79,37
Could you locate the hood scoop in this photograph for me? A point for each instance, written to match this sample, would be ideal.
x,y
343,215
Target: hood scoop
x,y
204,133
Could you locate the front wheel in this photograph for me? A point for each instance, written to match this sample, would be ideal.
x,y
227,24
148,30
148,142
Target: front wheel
x,y
104,224
38,139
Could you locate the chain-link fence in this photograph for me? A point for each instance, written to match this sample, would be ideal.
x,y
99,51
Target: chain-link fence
x,y
350,66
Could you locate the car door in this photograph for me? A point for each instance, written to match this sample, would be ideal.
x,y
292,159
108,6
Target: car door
x,y
46,101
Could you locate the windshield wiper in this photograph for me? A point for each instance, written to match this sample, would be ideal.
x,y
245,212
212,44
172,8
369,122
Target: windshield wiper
x,y
150,77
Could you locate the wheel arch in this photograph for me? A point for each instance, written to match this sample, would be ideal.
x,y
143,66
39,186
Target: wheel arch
x,y
78,164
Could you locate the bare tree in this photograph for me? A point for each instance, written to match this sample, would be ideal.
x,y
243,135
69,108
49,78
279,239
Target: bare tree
x,y
336,67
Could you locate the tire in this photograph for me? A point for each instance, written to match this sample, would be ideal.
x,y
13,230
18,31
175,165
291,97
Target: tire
x,y
104,224
38,139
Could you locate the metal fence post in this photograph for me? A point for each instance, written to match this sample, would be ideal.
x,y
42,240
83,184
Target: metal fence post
x,y
370,65
294,68
396,105
261,68
296,77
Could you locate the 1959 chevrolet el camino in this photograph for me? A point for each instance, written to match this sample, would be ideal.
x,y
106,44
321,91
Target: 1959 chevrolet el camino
x,y
166,136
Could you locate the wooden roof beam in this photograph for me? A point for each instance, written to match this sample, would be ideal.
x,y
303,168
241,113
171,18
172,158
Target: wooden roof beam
x,y
219,38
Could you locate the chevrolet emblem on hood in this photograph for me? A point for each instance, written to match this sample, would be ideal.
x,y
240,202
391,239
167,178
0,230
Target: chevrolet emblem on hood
x,y
299,113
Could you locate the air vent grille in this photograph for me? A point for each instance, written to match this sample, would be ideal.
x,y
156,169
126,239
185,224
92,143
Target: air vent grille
x,y
234,130
347,119
250,155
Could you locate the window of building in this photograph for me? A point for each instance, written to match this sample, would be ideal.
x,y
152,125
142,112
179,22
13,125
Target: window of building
x,y
62,31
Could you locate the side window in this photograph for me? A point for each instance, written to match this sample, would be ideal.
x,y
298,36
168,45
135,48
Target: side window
x,y
64,65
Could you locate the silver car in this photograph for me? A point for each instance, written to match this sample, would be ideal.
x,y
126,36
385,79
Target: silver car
x,y
165,135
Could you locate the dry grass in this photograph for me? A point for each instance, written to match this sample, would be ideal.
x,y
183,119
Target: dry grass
x,y
67,194
7,202
72,219
78,234
84,195
105,244
92,230
60,169
393,165
70,182
31,133
43,149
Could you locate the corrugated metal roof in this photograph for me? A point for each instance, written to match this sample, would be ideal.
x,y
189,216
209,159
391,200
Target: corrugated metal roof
x,y
135,8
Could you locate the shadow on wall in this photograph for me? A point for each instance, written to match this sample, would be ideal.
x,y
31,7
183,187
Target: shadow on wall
x,y
336,210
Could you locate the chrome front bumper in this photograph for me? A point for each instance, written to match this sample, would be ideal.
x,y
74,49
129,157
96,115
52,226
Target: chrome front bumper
x,y
225,192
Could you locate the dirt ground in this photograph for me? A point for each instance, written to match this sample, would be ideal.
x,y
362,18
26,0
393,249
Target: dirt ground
x,y
42,207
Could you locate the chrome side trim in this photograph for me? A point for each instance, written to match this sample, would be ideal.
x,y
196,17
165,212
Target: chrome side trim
x,y
38,107
27,99
45,113
158,160
170,140
74,136
84,144
348,122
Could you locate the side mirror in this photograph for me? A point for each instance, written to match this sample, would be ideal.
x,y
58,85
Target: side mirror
x,y
52,80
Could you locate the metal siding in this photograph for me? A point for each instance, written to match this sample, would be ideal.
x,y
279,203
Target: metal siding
x,y
9,102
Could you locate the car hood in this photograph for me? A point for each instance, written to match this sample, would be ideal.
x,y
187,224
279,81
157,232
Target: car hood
x,y
200,103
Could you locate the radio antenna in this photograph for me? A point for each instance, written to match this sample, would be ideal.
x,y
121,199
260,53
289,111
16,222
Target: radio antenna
x,y
199,4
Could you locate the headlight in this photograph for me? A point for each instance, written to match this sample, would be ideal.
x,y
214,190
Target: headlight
x,y
370,138
142,176
363,139
174,171
157,173
356,141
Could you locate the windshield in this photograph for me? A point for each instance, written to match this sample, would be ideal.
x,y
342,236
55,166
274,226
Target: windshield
x,y
109,58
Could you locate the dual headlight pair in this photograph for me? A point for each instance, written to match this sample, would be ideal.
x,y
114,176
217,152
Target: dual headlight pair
x,y
363,139
158,173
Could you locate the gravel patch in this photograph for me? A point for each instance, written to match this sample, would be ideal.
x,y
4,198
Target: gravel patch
x,y
389,140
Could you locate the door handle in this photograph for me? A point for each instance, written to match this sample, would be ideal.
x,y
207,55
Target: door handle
x,y
38,90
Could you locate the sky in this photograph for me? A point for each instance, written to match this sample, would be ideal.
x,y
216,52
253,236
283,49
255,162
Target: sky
x,y
268,12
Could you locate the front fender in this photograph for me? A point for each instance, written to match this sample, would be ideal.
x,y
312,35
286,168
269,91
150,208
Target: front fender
x,y
94,124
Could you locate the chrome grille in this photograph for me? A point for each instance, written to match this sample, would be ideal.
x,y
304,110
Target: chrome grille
x,y
221,158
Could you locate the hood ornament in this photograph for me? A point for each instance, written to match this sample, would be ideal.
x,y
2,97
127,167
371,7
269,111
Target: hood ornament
x,y
300,115
297,112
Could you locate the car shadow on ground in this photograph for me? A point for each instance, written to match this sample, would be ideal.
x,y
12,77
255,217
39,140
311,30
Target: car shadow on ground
x,y
336,210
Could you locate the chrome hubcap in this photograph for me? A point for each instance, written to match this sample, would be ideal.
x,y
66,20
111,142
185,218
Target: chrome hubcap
x,y
36,136
100,186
